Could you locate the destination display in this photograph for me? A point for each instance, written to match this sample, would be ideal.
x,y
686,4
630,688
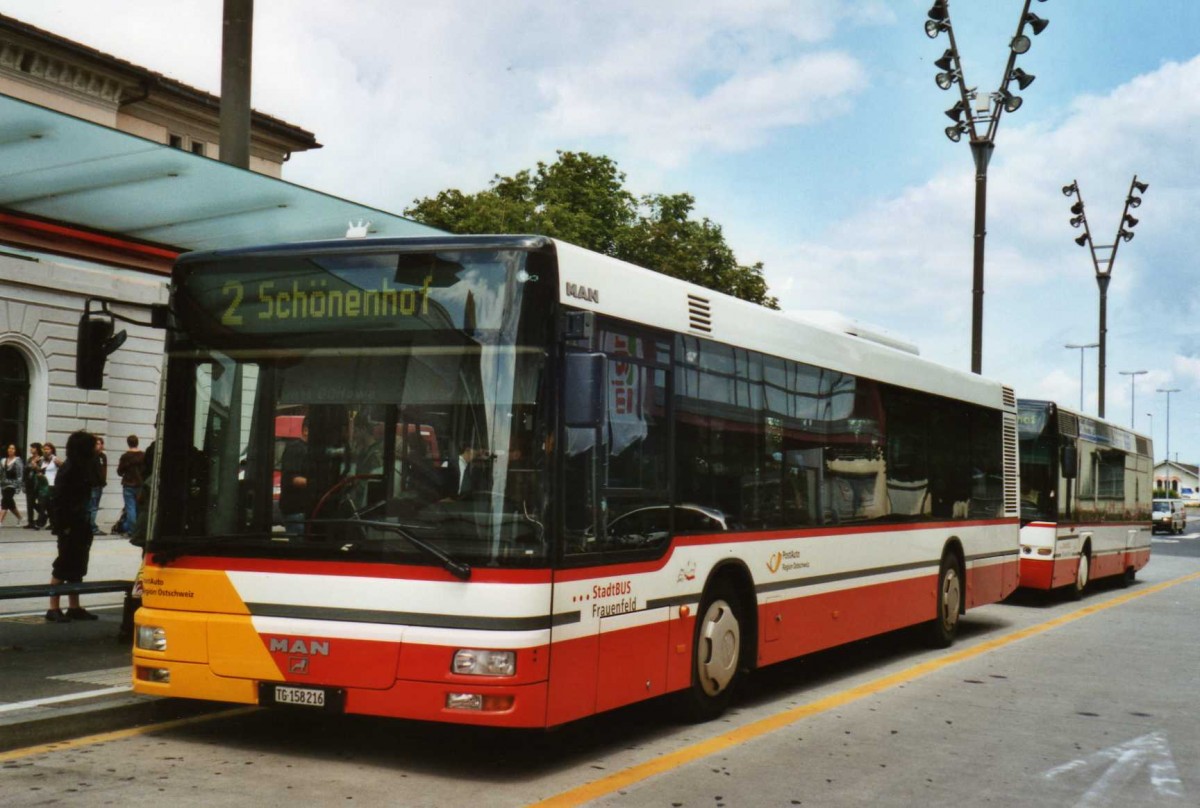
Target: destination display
x,y
341,293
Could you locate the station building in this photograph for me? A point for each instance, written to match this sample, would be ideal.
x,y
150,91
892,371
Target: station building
x,y
107,173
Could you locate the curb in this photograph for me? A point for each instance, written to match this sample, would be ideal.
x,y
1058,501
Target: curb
x,y
43,725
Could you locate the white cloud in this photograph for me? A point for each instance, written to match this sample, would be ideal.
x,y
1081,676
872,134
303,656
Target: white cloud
x,y
906,261
412,97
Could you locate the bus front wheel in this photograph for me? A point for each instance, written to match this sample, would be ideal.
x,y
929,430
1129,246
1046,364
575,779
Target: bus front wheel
x,y
716,654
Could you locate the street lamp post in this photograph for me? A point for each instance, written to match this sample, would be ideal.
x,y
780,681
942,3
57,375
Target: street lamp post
x,y
1132,374
1168,392
1103,257
1081,349
978,117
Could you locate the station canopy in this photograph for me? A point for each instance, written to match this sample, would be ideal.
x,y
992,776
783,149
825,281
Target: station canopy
x,y
63,169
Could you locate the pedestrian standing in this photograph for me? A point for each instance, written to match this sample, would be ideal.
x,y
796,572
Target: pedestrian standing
x,y
33,467
11,473
99,480
46,477
71,524
131,469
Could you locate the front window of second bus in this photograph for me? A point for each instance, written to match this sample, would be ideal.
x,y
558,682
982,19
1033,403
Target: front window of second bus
x,y
412,440
1038,469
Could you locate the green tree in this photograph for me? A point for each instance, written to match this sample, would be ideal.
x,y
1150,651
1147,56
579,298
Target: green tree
x,y
581,198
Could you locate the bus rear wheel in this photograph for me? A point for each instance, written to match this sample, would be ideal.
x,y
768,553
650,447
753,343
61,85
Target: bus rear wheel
x,y
943,629
716,654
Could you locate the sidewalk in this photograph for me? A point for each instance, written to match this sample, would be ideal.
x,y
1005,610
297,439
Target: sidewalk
x,y
64,680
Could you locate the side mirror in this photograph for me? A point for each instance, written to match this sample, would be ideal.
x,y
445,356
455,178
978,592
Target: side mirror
x,y
94,342
585,387
1069,462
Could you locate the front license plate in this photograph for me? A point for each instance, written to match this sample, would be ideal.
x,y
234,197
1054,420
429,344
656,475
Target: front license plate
x,y
320,698
303,696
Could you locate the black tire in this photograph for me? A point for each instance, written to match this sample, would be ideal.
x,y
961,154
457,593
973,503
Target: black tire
x,y
717,645
1129,577
1082,574
944,627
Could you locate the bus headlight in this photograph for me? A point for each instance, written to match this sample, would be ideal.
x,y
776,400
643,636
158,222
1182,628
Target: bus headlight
x,y
152,638
475,662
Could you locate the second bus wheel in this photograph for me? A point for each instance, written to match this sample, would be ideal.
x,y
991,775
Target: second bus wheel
x,y
1082,572
944,627
716,654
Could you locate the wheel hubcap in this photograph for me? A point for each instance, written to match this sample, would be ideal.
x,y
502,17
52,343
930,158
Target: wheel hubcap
x,y
720,640
951,592
1081,577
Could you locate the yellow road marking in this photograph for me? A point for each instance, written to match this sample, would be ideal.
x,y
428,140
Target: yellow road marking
x,y
635,774
120,735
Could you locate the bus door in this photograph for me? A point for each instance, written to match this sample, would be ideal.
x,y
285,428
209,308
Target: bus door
x,y
616,518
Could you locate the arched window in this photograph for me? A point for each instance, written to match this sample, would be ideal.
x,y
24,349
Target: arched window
x,y
14,398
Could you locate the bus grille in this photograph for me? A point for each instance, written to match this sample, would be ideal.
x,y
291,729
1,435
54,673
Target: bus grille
x,y
1012,468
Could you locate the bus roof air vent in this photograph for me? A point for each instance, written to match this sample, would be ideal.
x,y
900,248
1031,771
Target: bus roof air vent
x,y
699,314
1068,424
1010,397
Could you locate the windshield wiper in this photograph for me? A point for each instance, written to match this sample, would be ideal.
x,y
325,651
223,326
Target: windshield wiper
x,y
459,569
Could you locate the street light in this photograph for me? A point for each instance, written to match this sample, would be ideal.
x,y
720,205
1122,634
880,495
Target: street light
x,y
1104,265
1132,374
1081,349
980,124
1168,392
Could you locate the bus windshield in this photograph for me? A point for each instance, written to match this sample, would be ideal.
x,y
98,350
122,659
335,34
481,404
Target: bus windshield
x,y
411,443
1038,445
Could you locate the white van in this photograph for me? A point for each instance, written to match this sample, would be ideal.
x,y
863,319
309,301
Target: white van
x,y
1168,515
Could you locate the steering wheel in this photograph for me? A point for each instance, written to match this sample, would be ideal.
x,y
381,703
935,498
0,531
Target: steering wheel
x,y
338,493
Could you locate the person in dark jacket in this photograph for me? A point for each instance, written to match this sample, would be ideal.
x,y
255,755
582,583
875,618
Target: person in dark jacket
x,y
99,480
34,508
131,470
71,523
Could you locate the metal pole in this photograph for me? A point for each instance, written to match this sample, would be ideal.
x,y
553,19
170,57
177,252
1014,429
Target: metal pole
x,y
1168,392
1102,280
1081,348
981,150
236,46
1081,379
1132,374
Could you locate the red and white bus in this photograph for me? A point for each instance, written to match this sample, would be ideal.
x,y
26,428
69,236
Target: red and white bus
x,y
640,487
1086,491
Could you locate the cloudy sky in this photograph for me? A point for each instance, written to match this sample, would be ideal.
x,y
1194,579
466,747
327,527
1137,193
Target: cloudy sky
x,y
810,130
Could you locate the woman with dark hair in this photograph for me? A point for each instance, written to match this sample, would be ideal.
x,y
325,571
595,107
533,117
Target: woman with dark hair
x,y
11,472
72,525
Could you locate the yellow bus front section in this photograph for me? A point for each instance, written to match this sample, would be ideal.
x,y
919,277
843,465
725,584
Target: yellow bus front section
x,y
188,619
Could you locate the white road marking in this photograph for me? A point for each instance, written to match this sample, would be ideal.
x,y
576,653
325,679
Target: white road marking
x,y
109,677
91,694
1119,766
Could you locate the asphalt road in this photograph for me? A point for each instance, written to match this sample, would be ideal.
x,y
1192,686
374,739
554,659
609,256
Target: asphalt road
x,y
1043,701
